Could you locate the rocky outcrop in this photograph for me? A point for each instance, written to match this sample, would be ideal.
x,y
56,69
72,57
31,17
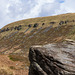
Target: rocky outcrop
x,y
52,59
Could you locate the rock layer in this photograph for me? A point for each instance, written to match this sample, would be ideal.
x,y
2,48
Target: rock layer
x,y
52,59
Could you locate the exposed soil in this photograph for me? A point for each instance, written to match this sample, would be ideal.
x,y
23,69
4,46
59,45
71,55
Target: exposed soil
x,y
13,67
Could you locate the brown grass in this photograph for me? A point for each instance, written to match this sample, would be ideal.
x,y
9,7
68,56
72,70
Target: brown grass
x,y
20,42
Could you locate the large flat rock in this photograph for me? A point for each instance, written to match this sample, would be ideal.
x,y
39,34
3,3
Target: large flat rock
x,y
52,59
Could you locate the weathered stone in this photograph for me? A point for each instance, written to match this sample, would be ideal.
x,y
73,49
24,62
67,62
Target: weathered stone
x,y
52,22
43,24
35,25
61,22
52,59
30,25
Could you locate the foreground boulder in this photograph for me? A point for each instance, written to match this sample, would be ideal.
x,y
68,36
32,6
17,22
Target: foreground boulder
x,y
52,59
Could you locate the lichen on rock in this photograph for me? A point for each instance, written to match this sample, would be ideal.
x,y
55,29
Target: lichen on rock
x,y
52,59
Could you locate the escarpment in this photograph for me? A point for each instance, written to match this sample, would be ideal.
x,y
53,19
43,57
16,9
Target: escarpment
x,y
52,59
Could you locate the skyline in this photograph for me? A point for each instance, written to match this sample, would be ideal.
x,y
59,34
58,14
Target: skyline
x,y
14,10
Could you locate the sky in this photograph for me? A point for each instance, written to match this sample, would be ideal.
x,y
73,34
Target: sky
x,y
14,10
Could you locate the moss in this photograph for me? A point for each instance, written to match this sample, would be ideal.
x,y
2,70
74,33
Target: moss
x,y
19,58
16,57
12,67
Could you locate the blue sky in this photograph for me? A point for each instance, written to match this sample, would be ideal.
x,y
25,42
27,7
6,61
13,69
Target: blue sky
x,y
14,10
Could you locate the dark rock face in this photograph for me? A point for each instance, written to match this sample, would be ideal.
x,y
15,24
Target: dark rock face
x,y
52,59
35,25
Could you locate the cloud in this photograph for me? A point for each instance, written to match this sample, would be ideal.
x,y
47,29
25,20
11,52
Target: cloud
x,y
69,5
14,10
66,7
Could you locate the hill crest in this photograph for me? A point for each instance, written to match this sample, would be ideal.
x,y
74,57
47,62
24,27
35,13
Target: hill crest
x,y
16,38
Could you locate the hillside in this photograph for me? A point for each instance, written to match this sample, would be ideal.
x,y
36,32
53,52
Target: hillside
x,y
16,38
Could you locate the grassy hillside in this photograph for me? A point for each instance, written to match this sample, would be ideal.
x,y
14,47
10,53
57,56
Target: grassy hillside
x,y
17,37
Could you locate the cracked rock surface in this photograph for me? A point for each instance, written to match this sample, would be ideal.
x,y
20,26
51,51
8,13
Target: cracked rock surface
x,y
52,59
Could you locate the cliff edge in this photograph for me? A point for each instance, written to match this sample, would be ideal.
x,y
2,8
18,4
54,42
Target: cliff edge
x,y
52,59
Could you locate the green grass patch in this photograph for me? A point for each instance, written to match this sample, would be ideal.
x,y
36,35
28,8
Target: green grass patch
x,y
16,58
12,67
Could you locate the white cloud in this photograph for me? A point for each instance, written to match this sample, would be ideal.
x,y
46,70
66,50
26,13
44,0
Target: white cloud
x,y
13,10
67,7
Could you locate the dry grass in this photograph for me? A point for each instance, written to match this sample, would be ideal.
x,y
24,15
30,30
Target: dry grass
x,y
23,42
17,57
5,71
